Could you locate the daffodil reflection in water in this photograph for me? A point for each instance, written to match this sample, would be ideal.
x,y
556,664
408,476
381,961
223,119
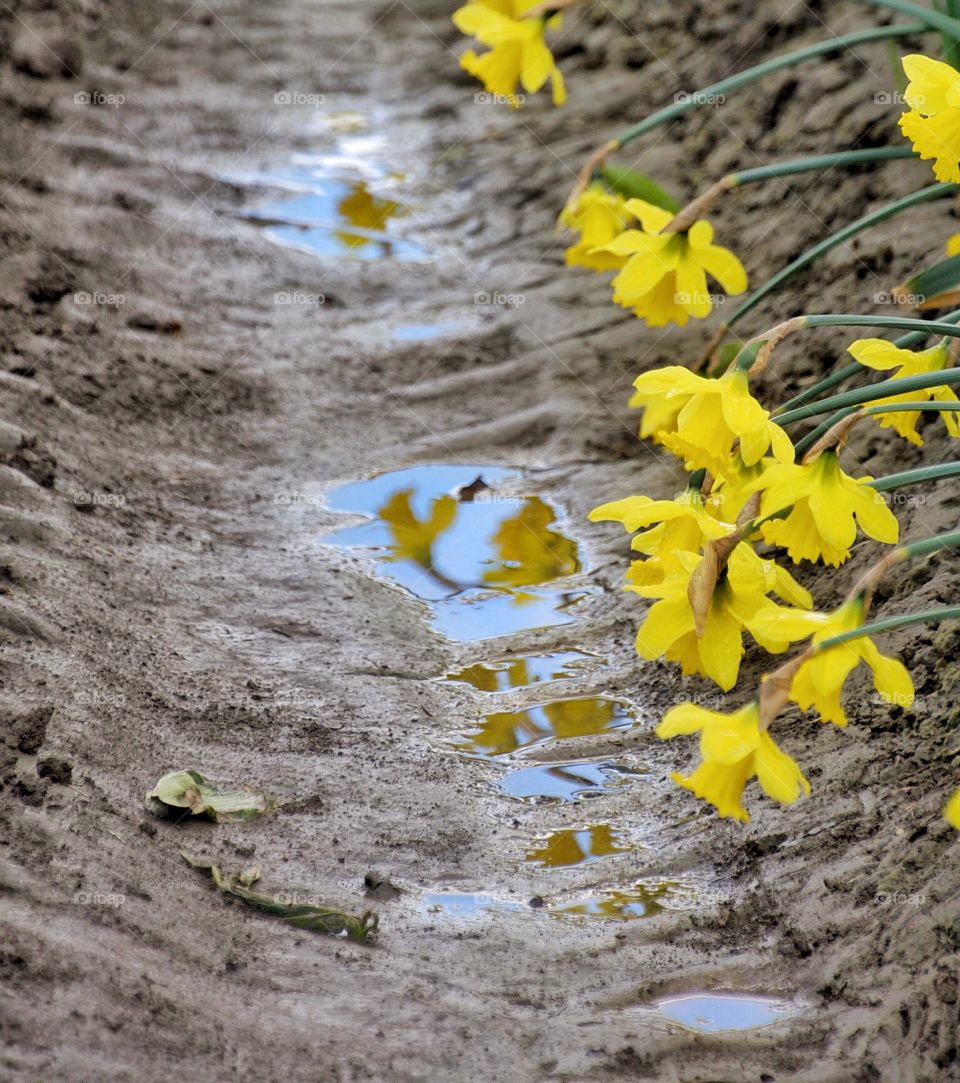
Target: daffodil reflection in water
x,y
643,900
482,561
578,846
507,731
523,671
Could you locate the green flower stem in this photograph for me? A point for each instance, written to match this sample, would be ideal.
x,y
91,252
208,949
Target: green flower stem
x,y
904,342
801,446
817,162
768,67
936,20
925,195
914,477
928,616
929,545
882,390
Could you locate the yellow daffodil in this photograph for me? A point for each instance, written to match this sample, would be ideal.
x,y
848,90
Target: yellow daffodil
x,y
664,277
599,216
518,53
734,749
670,628
679,525
953,245
713,415
932,124
875,353
952,811
819,681
826,506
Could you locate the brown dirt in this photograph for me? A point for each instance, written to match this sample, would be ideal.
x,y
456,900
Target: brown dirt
x,y
161,607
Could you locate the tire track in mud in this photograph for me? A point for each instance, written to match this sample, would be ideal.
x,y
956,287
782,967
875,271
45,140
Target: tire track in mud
x,y
243,646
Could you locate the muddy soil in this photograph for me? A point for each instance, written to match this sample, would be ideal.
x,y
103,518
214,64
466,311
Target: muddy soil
x,y
181,395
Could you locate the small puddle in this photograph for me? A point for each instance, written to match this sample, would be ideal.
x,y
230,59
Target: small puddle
x,y
524,670
334,204
425,332
564,781
572,846
454,904
642,900
710,1013
507,731
481,560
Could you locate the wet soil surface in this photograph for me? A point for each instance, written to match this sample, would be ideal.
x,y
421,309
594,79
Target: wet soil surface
x,y
301,419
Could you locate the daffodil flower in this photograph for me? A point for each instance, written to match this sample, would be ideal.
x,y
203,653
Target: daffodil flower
x,y
679,525
953,245
952,811
713,414
598,216
819,681
875,353
826,506
518,53
932,124
664,277
740,596
734,749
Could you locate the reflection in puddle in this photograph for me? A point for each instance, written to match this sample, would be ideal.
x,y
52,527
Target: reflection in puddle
x,y
643,900
479,561
563,781
464,905
423,332
578,846
334,204
507,731
523,671
710,1013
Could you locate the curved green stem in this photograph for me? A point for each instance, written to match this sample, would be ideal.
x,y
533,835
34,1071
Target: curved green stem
x,y
928,616
929,16
925,195
884,389
768,67
914,338
818,161
914,477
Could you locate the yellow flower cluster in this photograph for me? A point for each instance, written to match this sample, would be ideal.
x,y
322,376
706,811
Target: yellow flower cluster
x,y
662,276
517,50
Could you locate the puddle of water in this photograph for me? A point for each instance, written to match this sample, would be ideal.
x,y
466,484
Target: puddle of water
x,y
454,904
523,671
709,1013
507,731
578,846
643,900
481,562
563,781
423,332
335,204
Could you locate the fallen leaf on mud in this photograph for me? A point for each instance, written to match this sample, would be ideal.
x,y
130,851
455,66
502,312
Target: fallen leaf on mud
x,y
321,919
190,790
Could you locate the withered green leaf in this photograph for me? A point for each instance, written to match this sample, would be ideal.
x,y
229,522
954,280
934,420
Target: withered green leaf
x,y
190,790
321,919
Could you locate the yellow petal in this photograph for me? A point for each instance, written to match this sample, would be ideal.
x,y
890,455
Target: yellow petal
x,y
777,773
952,811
